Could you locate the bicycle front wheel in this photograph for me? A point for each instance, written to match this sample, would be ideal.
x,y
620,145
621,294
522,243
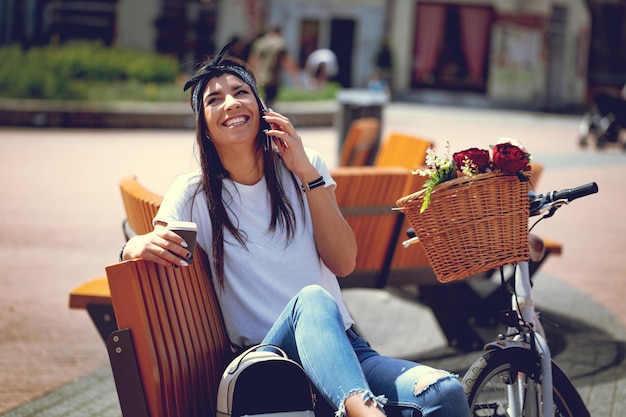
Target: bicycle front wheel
x,y
507,383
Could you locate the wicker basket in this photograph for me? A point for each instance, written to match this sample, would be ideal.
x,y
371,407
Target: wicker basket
x,y
472,224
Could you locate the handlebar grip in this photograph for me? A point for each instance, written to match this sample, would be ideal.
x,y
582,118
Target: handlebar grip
x,y
570,194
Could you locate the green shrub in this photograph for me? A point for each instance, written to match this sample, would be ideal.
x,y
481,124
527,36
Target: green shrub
x,y
327,92
73,70
82,70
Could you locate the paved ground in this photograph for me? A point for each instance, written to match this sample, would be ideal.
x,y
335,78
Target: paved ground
x,y
60,224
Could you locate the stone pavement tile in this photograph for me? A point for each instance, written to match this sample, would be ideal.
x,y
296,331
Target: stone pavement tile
x,y
91,396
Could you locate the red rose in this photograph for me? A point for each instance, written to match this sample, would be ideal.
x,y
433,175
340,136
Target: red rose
x,y
478,157
509,158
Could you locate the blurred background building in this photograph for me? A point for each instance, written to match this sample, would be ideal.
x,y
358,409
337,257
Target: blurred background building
x,y
536,54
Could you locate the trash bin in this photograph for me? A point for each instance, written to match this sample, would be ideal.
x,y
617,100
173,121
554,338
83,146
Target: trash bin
x,y
357,103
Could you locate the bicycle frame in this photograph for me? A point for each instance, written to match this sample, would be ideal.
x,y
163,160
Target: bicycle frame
x,y
522,303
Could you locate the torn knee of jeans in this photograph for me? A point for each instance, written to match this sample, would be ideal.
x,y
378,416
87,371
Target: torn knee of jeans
x,y
367,396
379,400
428,379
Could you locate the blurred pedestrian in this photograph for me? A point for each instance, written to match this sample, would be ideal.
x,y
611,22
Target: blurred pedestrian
x,y
268,58
321,66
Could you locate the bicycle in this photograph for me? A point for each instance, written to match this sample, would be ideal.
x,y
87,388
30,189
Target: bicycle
x,y
516,375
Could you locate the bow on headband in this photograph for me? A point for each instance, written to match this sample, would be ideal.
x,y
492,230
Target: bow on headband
x,y
218,66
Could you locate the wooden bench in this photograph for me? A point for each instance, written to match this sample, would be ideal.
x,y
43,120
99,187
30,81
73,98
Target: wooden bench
x,y
366,197
141,205
171,349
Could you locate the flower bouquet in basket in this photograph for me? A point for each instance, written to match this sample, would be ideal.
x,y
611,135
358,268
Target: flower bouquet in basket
x,y
472,214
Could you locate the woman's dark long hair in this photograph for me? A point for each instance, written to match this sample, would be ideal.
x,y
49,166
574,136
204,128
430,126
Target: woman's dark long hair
x,y
214,173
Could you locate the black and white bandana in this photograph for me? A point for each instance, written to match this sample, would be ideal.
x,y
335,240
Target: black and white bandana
x,y
218,66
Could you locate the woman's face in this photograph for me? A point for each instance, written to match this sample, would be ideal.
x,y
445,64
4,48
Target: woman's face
x,y
231,111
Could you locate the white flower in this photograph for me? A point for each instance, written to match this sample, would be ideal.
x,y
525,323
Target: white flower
x,y
513,142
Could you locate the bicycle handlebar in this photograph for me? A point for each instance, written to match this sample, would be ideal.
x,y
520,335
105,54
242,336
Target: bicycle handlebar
x,y
539,202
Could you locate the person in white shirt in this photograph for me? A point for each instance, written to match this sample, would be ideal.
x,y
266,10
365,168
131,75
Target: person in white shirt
x,y
276,240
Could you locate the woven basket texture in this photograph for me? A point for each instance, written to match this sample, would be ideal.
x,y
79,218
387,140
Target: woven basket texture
x,y
472,224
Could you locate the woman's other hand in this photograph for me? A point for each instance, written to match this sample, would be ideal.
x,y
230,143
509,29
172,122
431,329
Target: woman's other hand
x,y
160,246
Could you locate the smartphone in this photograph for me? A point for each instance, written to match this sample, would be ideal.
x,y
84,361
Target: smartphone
x,y
265,125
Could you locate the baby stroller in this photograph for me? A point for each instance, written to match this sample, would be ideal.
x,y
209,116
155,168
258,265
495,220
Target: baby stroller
x,y
604,122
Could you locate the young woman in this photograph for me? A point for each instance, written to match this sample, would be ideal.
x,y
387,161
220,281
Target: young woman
x,y
268,218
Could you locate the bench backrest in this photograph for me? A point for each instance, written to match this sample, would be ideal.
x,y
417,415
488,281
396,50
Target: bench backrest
x,y
174,322
359,146
177,331
404,150
141,205
366,197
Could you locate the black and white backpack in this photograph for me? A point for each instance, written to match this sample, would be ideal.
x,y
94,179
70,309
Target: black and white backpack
x,y
265,382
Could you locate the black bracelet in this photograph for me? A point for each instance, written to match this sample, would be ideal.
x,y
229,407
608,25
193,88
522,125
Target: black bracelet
x,y
122,252
313,184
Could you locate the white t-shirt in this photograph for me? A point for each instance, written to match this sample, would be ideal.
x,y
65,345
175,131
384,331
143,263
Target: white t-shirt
x,y
261,278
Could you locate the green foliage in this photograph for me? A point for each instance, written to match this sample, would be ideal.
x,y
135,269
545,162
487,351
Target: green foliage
x,y
78,70
327,92
444,173
87,70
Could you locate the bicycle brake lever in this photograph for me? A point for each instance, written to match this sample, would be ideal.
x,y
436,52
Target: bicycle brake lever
x,y
550,212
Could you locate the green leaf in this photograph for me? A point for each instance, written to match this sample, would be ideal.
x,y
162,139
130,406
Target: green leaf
x,y
436,178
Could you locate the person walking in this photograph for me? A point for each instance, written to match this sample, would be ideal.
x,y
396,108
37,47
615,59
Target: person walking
x,y
268,58
321,66
276,240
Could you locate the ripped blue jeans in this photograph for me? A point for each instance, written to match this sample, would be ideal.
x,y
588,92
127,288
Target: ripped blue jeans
x,y
339,363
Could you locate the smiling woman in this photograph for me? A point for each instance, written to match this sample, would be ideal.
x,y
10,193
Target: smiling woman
x,y
267,216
